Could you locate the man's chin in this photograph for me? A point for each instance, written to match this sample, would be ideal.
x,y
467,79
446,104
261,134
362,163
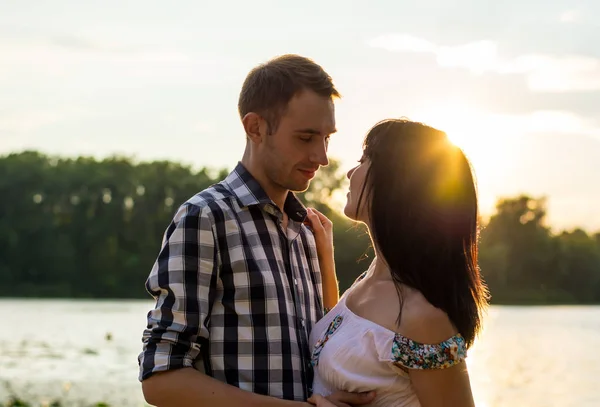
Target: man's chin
x,y
299,187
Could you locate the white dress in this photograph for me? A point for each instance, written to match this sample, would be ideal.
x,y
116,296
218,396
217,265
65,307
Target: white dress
x,y
353,354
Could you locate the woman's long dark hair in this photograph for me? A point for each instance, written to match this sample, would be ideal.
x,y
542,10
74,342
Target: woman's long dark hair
x,y
423,215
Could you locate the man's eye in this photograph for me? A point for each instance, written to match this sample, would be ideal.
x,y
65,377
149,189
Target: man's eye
x,y
306,139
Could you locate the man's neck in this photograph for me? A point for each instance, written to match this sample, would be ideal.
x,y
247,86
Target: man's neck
x,y
278,197
275,193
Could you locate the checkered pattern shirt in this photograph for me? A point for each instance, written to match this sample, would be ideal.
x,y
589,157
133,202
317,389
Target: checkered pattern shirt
x,y
236,297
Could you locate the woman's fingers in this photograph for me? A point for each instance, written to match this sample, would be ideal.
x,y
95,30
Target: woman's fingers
x,y
324,220
315,222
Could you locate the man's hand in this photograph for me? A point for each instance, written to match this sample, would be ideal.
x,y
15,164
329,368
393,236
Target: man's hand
x,y
319,401
342,399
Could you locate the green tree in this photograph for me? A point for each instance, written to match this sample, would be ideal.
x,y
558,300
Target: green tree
x,y
523,262
579,266
81,227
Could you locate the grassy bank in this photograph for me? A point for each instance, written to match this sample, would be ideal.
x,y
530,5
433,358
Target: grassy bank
x,y
15,401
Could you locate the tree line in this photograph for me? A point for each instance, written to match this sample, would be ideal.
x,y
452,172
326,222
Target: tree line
x,y
88,228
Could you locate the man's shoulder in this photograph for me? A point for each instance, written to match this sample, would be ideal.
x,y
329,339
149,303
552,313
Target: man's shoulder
x,y
208,197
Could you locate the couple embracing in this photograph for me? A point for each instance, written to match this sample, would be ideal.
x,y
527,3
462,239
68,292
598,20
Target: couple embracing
x,y
248,311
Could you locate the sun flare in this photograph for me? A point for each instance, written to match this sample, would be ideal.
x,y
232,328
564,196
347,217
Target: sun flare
x,y
475,131
459,122
484,137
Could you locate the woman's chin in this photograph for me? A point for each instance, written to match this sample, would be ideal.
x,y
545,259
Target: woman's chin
x,y
349,212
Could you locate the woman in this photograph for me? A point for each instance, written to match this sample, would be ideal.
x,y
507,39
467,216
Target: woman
x,y
403,329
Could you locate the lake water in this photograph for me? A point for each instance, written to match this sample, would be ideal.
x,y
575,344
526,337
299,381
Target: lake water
x,y
526,357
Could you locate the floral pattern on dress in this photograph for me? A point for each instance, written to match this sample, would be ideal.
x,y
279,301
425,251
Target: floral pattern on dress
x,y
333,326
414,355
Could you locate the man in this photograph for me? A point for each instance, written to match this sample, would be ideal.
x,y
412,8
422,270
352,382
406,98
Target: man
x,y
237,281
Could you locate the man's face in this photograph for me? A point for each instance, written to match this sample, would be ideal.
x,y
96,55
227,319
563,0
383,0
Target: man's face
x,y
291,156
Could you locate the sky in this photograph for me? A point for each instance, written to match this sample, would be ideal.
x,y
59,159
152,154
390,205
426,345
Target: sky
x,y
516,85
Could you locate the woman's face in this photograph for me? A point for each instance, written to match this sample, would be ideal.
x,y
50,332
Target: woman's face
x,y
357,177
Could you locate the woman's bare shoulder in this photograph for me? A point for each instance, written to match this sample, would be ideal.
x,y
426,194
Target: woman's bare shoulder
x,y
422,322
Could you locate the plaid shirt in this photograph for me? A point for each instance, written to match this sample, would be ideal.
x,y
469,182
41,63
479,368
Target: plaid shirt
x,y
235,297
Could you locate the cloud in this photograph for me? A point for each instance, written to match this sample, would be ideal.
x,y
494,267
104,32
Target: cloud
x,y
556,74
454,117
544,73
570,16
558,122
84,63
25,121
204,127
83,44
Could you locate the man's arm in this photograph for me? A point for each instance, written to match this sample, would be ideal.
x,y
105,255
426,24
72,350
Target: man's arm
x,y
182,281
191,389
188,387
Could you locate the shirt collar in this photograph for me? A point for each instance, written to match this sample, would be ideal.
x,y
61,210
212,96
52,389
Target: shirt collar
x,y
249,192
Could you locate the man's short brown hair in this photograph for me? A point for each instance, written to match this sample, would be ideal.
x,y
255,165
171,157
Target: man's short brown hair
x,y
269,87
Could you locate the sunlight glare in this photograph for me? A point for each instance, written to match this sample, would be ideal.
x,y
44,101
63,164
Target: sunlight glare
x,y
485,139
481,135
460,122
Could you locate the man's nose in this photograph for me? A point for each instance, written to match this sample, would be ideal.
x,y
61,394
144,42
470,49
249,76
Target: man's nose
x,y
319,155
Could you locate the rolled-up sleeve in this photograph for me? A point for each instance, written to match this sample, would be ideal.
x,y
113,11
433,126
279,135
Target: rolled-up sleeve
x,y
182,281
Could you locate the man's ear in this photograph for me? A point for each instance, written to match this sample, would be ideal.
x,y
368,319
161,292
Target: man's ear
x,y
255,127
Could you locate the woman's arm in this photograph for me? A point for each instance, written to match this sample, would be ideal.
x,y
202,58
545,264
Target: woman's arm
x,y
448,387
445,381
323,231
331,291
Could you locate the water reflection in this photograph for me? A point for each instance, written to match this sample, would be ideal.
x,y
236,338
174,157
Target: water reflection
x,y
86,350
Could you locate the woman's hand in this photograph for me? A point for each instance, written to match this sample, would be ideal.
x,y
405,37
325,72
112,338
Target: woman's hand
x,y
322,229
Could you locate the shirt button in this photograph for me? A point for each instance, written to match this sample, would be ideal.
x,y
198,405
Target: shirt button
x,y
302,322
296,281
